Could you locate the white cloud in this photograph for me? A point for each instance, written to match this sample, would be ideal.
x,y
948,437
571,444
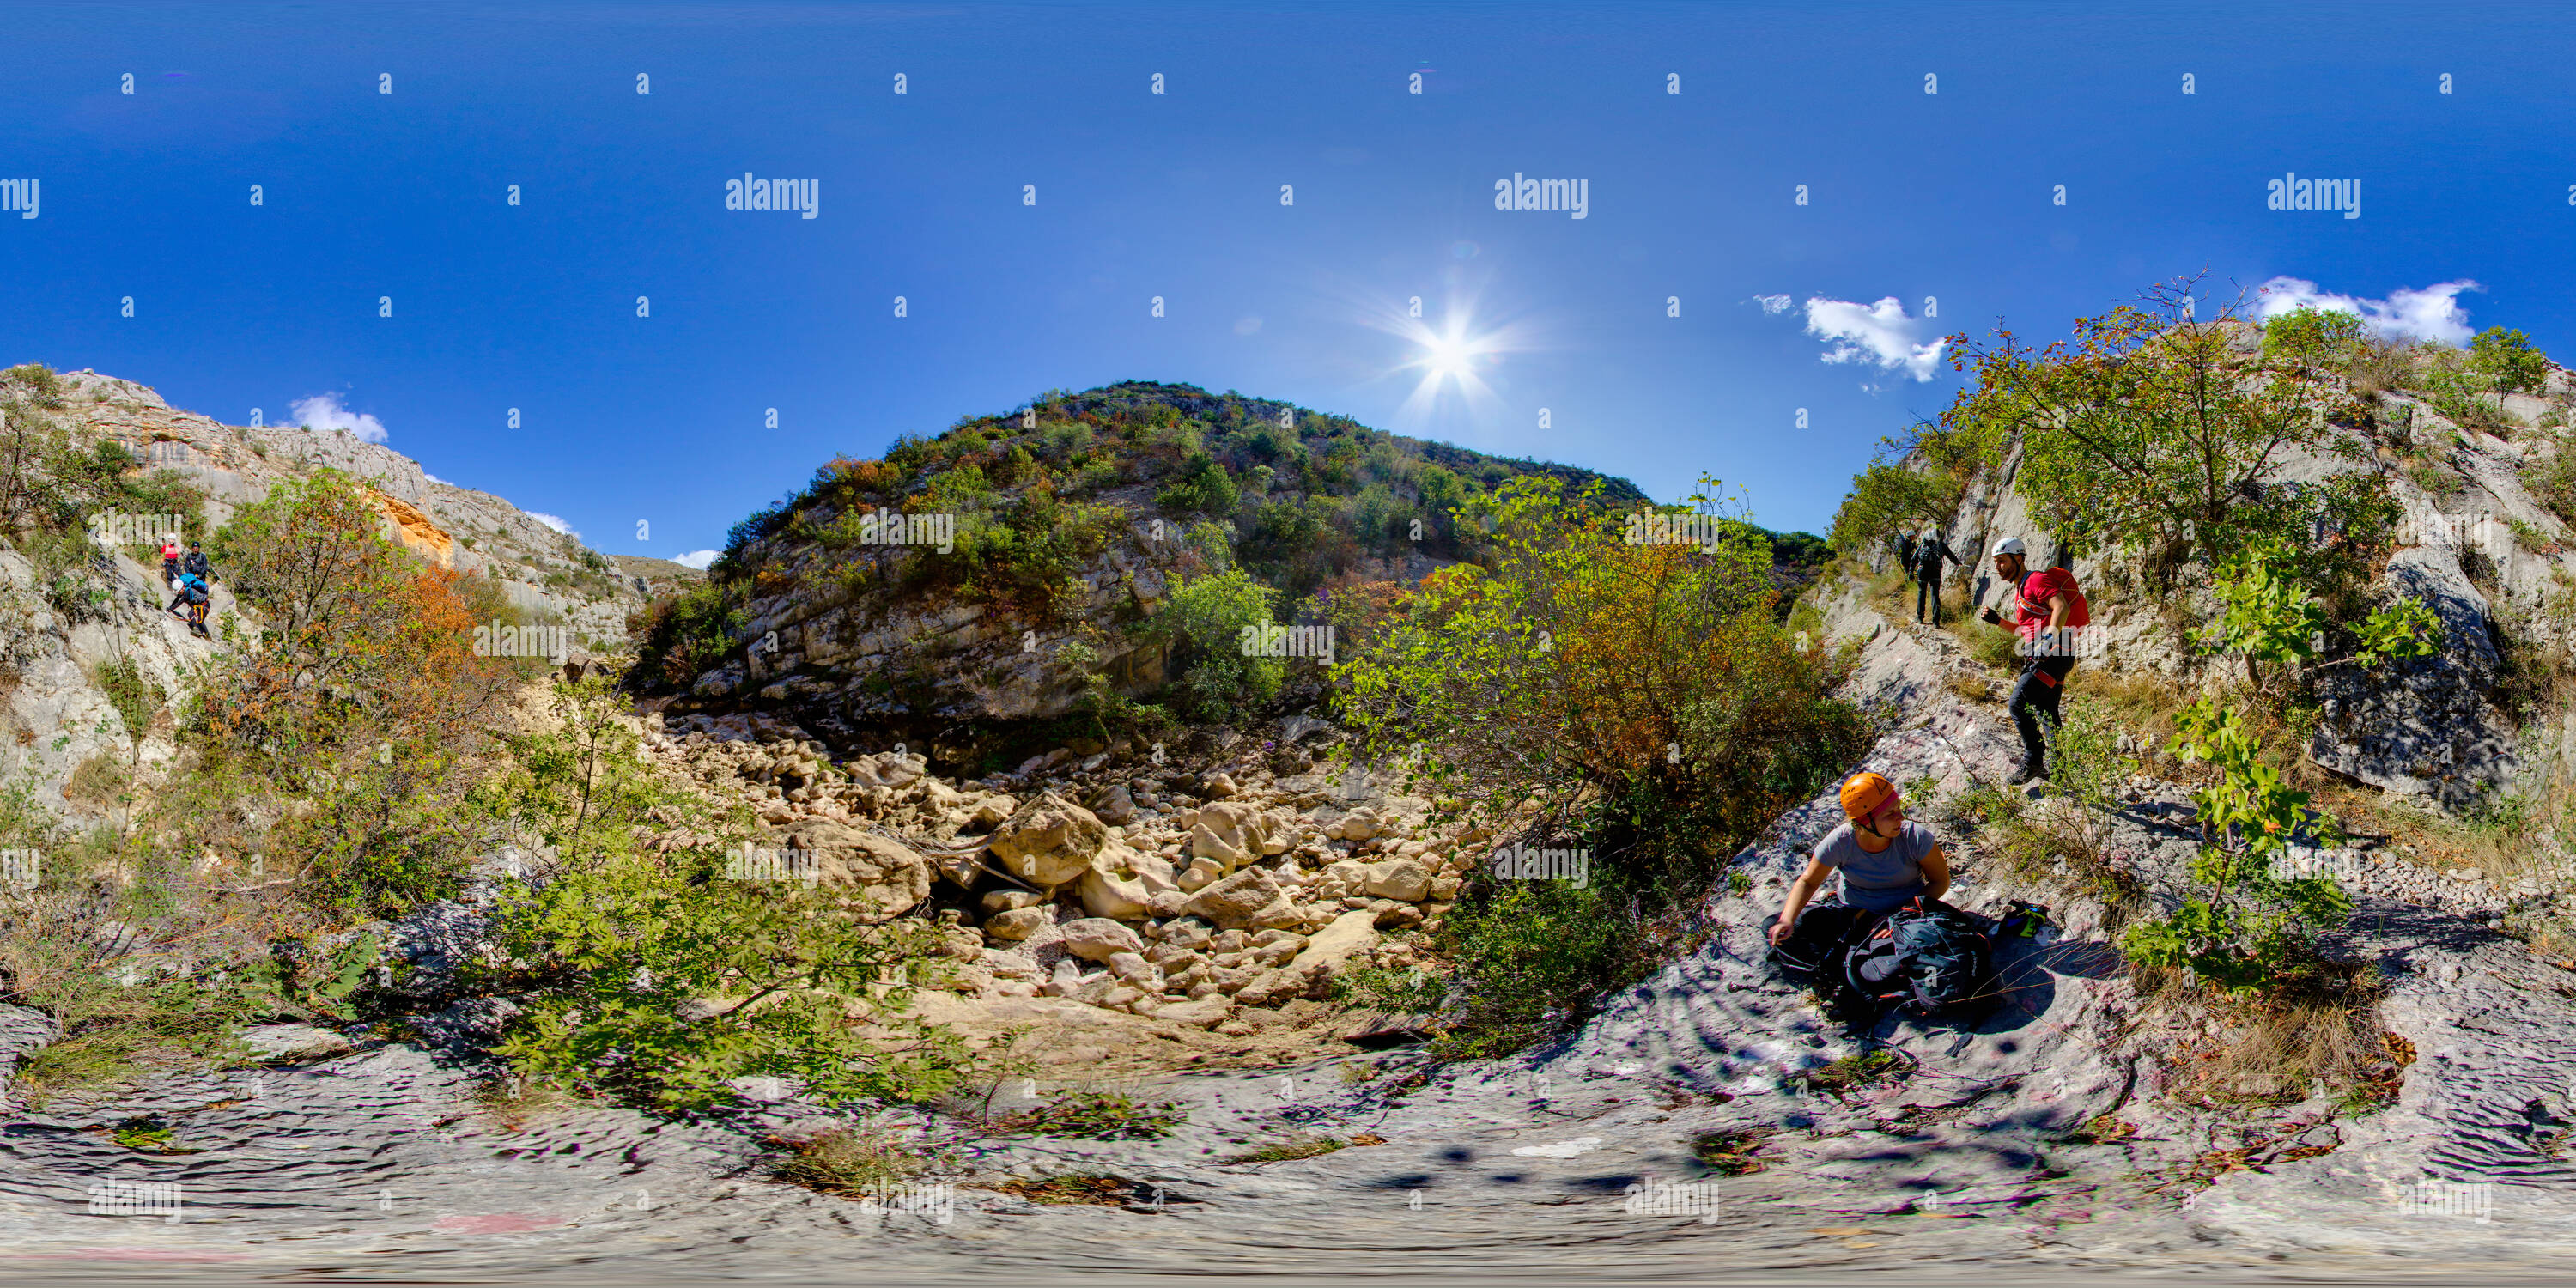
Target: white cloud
x,y
435,479
2433,313
556,524
324,412
1772,303
698,559
1878,335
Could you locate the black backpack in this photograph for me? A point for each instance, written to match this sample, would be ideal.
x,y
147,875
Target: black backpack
x,y
1926,961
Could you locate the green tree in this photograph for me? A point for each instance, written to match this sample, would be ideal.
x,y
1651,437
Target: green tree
x,y
1636,695
2311,337
2149,430
2508,361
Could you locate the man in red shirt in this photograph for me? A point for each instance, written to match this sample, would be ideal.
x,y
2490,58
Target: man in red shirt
x,y
2048,611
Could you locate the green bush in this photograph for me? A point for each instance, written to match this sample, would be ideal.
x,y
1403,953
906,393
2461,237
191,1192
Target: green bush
x,y
2249,928
651,978
1202,486
1210,614
688,634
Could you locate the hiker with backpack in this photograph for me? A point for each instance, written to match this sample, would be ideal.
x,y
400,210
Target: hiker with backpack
x,y
192,588
2048,608
1929,554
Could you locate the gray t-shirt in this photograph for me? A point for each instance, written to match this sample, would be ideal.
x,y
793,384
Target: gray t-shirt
x,y
1887,879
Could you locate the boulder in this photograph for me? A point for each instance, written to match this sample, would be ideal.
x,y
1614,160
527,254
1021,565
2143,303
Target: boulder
x,y
1325,955
1358,825
1202,872
1006,900
1015,924
1204,1012
875,872
1401,879
1122,883
1133,968
888,770
1251,897
1236,832
1098,938
1217,787
1112,805
991,812
1049,841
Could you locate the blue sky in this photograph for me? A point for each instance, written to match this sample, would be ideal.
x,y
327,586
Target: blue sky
x,y
1948,195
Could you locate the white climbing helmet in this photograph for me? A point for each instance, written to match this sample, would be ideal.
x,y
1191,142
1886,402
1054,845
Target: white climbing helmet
x,y
2011,546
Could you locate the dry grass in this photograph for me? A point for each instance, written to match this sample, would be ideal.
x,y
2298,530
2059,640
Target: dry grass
x,y
1292,1149
845,1162
1096,1191
2321,1032
1973,688
511,1102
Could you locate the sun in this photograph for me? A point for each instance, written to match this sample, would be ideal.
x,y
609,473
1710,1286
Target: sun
x,y
1449,355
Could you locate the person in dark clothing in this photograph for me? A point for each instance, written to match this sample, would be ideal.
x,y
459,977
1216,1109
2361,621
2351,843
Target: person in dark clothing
x,y
1929,555
195,564
1905,553
2048,611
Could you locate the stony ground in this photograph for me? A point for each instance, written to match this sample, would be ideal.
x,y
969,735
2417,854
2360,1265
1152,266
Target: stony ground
x,y
373,1163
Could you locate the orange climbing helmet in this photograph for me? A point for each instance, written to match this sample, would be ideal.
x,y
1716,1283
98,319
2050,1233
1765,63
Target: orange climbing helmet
x,y
1863,793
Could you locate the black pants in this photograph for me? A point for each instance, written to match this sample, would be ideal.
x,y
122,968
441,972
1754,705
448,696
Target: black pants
x,y
2042,683
1825,930
1927,592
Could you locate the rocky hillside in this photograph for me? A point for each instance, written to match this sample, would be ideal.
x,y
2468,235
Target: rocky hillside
x,y
1061,524
540,569
2485,541
53,648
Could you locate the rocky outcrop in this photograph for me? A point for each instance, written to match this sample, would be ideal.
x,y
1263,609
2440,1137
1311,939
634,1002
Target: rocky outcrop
x,y
538,567
2480,550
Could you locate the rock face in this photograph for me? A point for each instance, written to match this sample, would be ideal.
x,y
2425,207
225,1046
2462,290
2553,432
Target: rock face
x,y
2481,551
55,654
2424,726
539,566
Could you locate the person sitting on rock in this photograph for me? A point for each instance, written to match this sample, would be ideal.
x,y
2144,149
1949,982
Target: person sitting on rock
x,y
1886,861
195,564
